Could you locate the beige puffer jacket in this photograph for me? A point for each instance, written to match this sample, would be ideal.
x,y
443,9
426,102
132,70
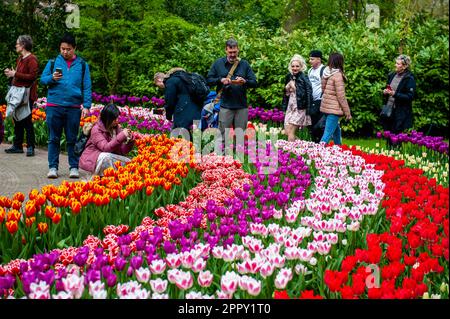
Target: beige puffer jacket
x,y
333,88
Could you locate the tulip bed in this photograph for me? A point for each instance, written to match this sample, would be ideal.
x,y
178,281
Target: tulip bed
x,y
328,222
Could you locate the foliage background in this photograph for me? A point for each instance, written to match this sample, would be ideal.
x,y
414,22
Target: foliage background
x,y
126,42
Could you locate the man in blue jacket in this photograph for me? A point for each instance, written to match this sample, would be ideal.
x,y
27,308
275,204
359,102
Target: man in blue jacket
x,y
69,97
233,107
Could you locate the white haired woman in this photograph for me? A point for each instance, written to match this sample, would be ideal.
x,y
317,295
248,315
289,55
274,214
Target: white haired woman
x,y
399,93
297,98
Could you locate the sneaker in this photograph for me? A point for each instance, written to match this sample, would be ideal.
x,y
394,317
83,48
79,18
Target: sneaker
x,y
73,173
52,173
30,151
14,150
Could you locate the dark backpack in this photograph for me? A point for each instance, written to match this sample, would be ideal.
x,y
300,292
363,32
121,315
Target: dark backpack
x,y
197,87
82,139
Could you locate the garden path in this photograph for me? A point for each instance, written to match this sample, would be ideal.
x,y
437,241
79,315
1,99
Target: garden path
x,y
19,173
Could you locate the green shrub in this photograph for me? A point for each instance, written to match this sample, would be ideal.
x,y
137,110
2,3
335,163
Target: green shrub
x,y
369,57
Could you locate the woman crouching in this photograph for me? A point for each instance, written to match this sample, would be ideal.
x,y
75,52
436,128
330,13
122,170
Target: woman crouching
x,y
107,144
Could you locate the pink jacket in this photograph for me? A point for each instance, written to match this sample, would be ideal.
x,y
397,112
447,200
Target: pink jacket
x,y
100,141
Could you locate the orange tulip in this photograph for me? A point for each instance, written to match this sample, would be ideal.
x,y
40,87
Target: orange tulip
x,y
167,186
16,204
149,190
12,226
2,214
114,193
50,211
19,197
109,172
13,215
97,200
76,207
123,193
5,202
56,218
41,198
30,208
30,221
85,199
33,194
42,228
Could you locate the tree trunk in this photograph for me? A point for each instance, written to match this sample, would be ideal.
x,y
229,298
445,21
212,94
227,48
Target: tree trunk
x,y
350,9
295,12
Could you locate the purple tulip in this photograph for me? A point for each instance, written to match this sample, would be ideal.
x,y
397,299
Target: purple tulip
x,y
120,263
92,276
126,251
136,262
111,280
48,276
169,247
107,271
140,245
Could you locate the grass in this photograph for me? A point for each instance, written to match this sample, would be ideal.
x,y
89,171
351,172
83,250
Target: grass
x,y
365,142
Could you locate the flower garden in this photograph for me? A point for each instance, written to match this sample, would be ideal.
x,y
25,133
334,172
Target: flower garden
x,y
328,222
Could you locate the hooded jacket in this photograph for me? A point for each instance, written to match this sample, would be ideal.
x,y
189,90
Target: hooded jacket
x,y
333,88
179,104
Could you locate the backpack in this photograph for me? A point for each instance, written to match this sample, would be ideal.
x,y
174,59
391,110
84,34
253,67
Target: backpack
x,y
321,71
197,87
82,139
210,112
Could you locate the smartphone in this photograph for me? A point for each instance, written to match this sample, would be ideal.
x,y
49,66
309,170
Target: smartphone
x,y
58,70
388,87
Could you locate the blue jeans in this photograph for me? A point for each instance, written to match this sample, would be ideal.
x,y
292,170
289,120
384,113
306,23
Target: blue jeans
x,y
59,118
332,129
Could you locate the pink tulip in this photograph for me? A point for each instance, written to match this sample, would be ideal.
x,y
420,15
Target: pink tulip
x,y
184,280
267,269
158,266
158,285
217,252
173,260
199,265
205,278
74,284
229,282
142,274
40,290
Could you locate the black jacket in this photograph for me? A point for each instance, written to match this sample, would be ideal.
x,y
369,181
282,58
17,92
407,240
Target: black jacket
x,y
303,90
179,104
233,96
404,95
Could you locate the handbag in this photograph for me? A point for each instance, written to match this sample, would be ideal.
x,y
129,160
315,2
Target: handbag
x,y
386,111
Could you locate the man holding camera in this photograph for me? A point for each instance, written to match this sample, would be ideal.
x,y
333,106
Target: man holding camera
x,y
69,97
233,107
